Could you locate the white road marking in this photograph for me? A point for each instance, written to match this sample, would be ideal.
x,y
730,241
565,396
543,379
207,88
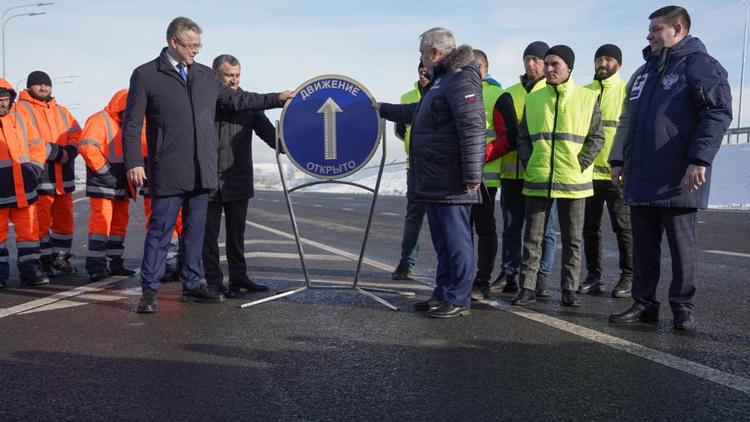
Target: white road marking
x,y
347,209
317,206
741,255
281,255
67,294
392,214
262,242
726,379
87,299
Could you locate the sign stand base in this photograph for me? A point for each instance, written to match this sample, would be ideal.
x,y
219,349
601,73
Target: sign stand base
x,y
367,291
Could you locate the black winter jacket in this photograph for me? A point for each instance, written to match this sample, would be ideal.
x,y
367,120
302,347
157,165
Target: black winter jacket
x,y
235,129
677,109
448,127
182,141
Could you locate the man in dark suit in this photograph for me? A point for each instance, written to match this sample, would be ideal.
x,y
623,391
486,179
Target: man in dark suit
x,y
178,99
235,129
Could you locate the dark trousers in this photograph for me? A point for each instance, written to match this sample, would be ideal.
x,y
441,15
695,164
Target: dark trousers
x,y
410,239
451,236
164,211
648,225
619,216
234,225
513,209
483,220
570,214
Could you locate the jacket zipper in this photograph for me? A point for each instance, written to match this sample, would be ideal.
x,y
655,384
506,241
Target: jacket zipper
x,y
552,155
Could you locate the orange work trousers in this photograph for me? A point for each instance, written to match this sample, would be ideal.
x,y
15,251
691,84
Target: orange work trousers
x,y
27,240
108,225
55,216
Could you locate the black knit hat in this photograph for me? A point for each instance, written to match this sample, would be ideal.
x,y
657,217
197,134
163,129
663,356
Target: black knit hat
x,y
609,50
536,49
38,77
564,52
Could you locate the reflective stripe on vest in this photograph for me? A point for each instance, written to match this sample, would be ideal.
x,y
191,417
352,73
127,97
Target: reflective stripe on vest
x,y
558,119
491,170
510,166
611,92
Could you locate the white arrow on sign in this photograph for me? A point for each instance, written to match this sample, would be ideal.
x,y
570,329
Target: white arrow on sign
x,y
329,110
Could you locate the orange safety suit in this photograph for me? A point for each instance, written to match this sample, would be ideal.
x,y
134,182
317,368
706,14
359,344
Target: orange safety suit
x,y
22,154
106,185
54,208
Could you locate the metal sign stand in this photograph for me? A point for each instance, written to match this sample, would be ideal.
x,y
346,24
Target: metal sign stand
x,y
367,291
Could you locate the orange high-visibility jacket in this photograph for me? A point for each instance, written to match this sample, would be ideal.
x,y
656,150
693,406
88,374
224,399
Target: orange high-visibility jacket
x,y
61,131
101,148
22,154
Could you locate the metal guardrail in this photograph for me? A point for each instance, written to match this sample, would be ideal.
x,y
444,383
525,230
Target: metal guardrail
x,y
739,135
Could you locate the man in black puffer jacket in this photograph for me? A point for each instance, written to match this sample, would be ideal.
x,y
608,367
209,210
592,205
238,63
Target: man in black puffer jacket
x,y
446,157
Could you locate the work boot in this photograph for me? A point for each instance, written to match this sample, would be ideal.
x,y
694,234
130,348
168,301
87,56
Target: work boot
x,y
117,268
403,272
2,284
97,275
34,279
524,297
62,264
449,310
541,286
500,282
481,289
623,287
147,304
511,285
592,284
569,298
46,265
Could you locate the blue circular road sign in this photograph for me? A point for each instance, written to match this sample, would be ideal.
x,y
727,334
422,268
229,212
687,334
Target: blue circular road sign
x,y
330,128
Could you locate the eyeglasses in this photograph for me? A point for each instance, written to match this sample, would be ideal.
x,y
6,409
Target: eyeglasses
x,y
194,47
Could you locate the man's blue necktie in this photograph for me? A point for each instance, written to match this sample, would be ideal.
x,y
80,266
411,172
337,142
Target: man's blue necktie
x,y
183,72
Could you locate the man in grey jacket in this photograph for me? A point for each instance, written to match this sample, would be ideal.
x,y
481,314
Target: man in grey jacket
x,y
235,129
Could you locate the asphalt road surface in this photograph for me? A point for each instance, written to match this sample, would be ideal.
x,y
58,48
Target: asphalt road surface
x,y
73,350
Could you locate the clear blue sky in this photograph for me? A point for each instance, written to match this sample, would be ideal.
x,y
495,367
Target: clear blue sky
x,y
283,43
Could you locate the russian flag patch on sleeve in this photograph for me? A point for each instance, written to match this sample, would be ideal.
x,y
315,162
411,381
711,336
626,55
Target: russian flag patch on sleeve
x,y
470,98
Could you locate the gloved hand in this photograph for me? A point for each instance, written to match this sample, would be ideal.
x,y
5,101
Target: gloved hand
x,y
108,179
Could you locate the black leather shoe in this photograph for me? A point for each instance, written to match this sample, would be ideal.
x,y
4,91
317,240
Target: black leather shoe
x,y
570,298
403,273
511,285
592,284
449,310
34,280
202,294
122,272
481,289
428,305
623,287
147,304
541,286
635,314
524,297
62,264
247,284
683,320
222,290
97,275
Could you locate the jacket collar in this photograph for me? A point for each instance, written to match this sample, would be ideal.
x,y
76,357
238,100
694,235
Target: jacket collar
x,y
565,87
453,61
26,96
609,82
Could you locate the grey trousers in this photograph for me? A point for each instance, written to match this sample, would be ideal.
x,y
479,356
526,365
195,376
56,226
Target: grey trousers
x,y
570,217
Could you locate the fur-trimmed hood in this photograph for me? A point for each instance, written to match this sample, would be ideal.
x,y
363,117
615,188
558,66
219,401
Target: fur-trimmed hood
x,y
456,59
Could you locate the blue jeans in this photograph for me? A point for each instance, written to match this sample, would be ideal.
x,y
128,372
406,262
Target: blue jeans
x,y
513,209
164,211
451,237
410,240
